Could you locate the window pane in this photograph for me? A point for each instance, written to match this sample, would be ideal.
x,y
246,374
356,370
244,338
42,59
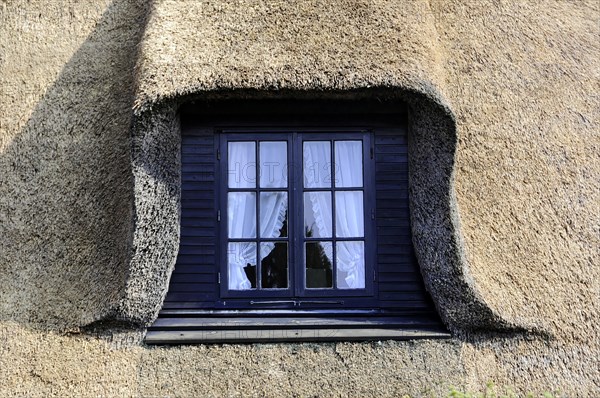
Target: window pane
x,y
317,214
349,214
274,265
350,263
241,214
241,164
273,214
317,164
273,164
241,265
348,164
317,257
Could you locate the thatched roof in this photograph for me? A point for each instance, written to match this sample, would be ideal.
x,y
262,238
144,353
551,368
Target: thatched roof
x,y
504,95
287,45
496,78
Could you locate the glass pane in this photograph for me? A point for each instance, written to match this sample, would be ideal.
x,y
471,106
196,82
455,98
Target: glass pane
x,y
317,164
273,214
350,262
273,164
274,265
241,265
241,164
349,214
318,265
241,214
348,164
317,214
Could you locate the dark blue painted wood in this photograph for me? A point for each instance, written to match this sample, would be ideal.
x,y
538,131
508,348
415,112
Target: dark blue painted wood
x,y
195,276
400,282
398,288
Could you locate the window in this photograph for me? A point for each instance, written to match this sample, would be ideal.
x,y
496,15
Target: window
x,y
298,207
295,225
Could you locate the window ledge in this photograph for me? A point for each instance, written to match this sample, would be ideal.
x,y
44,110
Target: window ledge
x,y
190,330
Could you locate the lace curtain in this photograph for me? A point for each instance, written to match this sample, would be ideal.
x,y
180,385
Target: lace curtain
x,y
349,217
241,212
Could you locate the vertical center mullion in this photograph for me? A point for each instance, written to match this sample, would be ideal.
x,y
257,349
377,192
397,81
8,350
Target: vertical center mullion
x,y
257,183
297,192
333,218
292,213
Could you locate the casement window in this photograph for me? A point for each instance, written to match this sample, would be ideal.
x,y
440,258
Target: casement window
x,y
298,206
294,228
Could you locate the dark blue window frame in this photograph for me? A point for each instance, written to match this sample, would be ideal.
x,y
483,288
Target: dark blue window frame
x,y
194,311
297,295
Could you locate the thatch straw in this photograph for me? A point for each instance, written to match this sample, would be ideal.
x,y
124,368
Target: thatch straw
x,y
505,180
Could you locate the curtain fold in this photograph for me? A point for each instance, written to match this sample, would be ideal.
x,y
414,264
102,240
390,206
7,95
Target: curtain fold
x,y
241,206
317,162
349,213
241,213
273,205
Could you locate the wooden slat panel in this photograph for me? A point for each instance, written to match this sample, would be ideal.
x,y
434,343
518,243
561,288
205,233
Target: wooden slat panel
x,y
199,213
392,222
389,165
284,322
391,213
390,177
197,186
403,296
408,305
190,194
385,268
398,194
400,277
190,297
206,176
391,148
194,277
191,269
400,282
187,305
403,234
198,204
183,277
390,139
198,133
200,246
396,249
197,231
194,137
186,287
398,287
385,205
193,283
399,159
200,166
197,162
197,221
393,258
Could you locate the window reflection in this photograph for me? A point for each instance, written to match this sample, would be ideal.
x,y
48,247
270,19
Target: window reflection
x,y
318,264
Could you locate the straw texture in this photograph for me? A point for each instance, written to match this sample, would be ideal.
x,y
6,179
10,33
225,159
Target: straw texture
x,y
505,187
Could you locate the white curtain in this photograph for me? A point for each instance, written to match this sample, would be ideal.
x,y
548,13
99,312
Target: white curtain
x,y
349,216
241,212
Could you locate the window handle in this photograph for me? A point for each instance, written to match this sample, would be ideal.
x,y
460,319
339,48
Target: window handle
x,y
299,303
273,302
